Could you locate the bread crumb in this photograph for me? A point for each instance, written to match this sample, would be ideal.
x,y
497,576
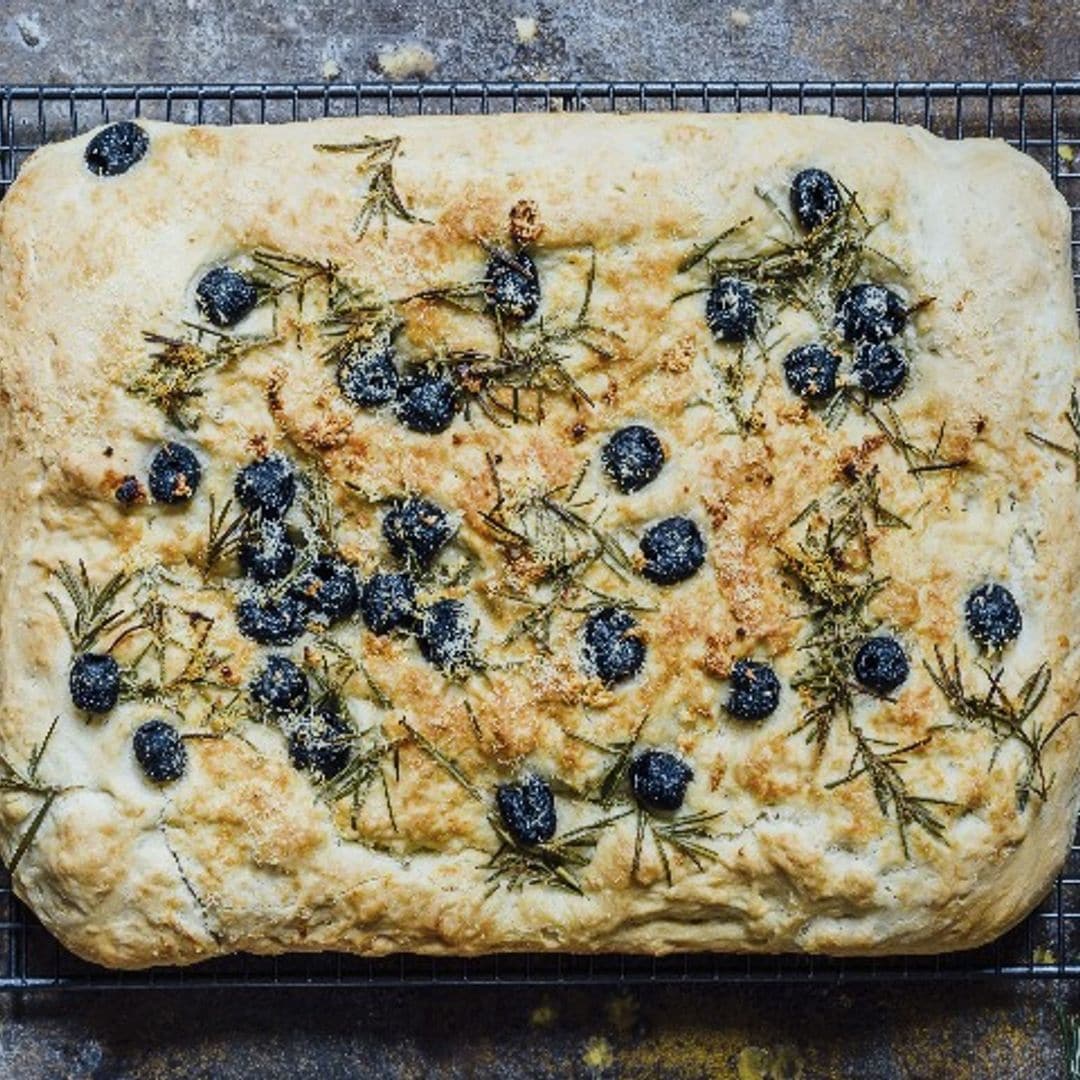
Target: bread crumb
x,y
526,30
740,17
543,1016
597,1053
331,69
1067,153
407,61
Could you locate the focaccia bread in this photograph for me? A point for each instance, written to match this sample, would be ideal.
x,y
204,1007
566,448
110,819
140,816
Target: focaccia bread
x,y
550,532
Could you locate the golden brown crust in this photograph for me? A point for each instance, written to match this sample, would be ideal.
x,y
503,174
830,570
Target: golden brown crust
x,y
247,852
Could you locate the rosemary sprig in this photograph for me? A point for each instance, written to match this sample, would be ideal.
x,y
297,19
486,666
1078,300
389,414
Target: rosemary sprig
x,y
365,767
12,779
838,622
288,274
531,363
514,864
381,198
797,271
683,835
94,605
919,459
881,760
1005,717
1072,419
447,764
332,678
172,377
223,535
552,863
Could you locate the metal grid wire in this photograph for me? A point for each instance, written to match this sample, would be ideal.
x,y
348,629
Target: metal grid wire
x,y
1042,119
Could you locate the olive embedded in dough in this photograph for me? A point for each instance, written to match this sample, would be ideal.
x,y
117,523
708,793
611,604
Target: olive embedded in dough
x,y
632,458
881,664
880,368
369,378
754,690
731,310
416,530
426,403
815,198
280,685
266,552
175,473
270,621
266,486
113,150
225,296
446,634
811,371
869,312
328,589
993,616
512,285
160,751
527,809
388,602
673,551
320,741
659,780
611,651
94,682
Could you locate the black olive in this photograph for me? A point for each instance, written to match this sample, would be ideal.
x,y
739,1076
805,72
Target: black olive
x,y
369,378
527,809
880,664
426,403
811,371
388,602
993,616
328,589
881,369
115,149
659,780
512,285
224,296
416,530
446,634
174,474
674,550
633,458
815,198
160,751
266,486
610,650
754,690
266,553
731,310
320,741
870,312
281,685
94,682
271,622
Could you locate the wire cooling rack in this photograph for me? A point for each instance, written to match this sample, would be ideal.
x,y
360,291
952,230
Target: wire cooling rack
x,y
1042,119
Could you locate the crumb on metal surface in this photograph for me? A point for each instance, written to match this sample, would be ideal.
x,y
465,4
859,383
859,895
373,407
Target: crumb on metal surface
x,y
331,70
526,29
740,17
407,60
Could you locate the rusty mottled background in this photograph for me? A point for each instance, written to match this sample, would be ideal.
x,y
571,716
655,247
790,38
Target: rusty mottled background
x,y
903,1030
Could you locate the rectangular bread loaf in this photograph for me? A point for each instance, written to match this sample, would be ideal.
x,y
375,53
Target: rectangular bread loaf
x,y
552,532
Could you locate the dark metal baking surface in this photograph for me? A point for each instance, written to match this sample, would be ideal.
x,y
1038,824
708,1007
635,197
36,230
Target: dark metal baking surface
x,y
1040,118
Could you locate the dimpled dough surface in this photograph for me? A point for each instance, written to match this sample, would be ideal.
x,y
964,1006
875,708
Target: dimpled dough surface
x,y
845,820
